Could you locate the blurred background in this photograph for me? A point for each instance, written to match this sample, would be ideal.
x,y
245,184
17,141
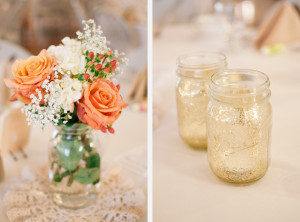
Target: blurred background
x,y
252,11
27,26
244,29
231,22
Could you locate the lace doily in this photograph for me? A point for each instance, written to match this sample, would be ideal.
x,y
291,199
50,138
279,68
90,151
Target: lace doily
x,y
30,201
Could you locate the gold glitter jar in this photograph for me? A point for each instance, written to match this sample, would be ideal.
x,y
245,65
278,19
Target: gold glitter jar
x,y
239,125
194,72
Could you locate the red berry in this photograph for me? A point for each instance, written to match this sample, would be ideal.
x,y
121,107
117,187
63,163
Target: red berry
x,y
101,56
113,67
106,69
91,55
86,76
114,62
109,52
98,67
91,63
111,130
118,87
103,129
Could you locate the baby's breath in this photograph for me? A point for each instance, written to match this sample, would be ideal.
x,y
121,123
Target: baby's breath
x,y
92,40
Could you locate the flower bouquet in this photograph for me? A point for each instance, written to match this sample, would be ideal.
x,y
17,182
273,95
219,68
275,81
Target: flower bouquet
x,y
72,86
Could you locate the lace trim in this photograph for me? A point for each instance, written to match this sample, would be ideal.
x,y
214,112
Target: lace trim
x,y
30,201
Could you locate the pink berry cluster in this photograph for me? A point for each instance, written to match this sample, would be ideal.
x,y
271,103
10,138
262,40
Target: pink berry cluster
x,y
97,64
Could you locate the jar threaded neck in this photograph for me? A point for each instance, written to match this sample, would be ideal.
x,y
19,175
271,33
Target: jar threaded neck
x,y
76,128
243,85
200,64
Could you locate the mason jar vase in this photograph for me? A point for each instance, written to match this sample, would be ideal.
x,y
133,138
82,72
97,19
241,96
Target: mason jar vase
x,y
194,71
239,118
74,166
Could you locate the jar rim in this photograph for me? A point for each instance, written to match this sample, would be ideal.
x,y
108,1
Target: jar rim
x,y
250,82
185,61
75,128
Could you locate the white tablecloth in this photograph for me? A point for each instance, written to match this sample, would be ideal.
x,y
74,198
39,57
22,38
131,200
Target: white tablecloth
x,y
185,188
127,147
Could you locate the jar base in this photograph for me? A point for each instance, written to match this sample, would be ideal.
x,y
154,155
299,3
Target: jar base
x,y
197,147
242,182
73,201
238,183
195,144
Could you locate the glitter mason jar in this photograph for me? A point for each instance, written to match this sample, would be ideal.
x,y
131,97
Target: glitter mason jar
x,y
239,125
74,161
194,71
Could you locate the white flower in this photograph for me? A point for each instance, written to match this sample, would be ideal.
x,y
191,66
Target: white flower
x,y
71,92
93,39
69,56
77,85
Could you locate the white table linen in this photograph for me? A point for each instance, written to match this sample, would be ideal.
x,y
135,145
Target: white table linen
x,y
184,187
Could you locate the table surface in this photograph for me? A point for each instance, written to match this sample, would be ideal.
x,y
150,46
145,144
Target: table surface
x,y
184,187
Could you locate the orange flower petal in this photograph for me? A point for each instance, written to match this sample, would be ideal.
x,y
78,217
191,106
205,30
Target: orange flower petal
x,y
30,74
101,104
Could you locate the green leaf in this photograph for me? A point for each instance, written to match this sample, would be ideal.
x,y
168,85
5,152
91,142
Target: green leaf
x,y
60,122
87,175
70,181
80,78
107,64
70,152
93,160
110,57
96,181
86,52
65,173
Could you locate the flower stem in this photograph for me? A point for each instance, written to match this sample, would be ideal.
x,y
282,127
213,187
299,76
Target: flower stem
x,y
70,181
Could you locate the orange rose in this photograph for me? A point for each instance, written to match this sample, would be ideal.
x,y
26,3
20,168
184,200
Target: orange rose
x,y
29,75
100,105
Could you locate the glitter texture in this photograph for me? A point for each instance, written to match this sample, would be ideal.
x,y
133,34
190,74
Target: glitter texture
x,y
239,133
192,100
194,72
